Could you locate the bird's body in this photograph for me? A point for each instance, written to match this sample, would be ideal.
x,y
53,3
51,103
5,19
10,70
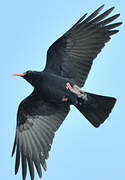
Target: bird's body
x,y
49,86
69,60
52,87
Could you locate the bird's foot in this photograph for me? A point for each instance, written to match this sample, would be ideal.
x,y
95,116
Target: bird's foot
x,y
79,101
64,99
68,86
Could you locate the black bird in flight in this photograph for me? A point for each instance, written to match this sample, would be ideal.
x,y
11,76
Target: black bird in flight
x,y
69,60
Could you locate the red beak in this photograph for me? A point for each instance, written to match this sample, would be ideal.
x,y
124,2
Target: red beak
x,y
18,74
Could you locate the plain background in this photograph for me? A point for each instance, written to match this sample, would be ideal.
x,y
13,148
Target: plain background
x,y
79,151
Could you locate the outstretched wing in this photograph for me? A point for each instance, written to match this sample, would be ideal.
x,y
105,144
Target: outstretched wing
x,y
72,55
37,122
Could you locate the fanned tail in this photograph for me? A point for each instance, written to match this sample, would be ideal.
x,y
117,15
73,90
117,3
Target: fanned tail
x,y
95,108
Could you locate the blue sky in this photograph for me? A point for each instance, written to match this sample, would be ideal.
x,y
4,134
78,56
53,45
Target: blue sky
x,y
79,151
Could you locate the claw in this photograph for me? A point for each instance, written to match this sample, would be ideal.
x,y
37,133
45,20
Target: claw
x,y
68,86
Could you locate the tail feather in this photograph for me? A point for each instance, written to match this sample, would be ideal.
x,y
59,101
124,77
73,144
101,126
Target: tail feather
x,y
97,108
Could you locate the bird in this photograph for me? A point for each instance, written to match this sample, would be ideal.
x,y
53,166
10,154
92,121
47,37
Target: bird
x,y
69,60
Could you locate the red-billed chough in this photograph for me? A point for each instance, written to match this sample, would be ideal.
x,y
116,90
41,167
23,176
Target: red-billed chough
x,y
69,60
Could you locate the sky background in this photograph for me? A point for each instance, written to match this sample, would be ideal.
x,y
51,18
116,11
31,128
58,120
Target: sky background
x,y
79,151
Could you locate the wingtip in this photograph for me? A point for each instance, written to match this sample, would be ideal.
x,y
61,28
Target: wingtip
x,y
101,7
12,154
44,167
40,174
117,15
15,172
82,18
113,32
97,11
14,147
13,151
120,23
112,8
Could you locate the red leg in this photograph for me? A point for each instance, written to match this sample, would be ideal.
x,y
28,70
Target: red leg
x,y
64,99
68,86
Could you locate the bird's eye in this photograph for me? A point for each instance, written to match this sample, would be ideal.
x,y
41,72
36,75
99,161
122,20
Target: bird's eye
x,y
28,72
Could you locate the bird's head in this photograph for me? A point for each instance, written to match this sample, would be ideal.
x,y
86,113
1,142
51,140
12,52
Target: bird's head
x,y
31,76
